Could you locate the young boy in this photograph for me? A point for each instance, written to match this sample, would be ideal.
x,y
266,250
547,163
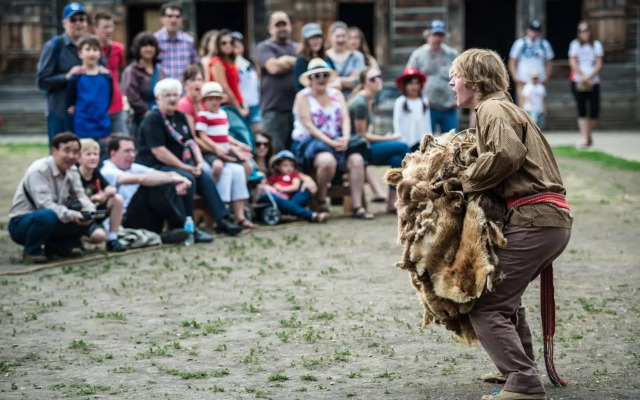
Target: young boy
x,y
534,93
515,162
89,94
102,195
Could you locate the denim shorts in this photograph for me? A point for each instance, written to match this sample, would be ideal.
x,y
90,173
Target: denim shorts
x,y
255,115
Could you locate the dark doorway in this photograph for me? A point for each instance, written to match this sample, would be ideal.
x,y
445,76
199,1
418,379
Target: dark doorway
x,y
490,24
221,14
359,15
562,25
139,16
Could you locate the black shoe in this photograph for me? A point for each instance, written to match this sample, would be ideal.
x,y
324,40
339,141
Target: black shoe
x,y
54,250
174,236
34,258
202,237
229,228
115,246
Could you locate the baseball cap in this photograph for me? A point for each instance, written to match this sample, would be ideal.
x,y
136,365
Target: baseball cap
x,y
71,9
535,25
235,35
437,26
310,30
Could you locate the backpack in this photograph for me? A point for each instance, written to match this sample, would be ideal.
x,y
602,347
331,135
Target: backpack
x,y
524,47
57,49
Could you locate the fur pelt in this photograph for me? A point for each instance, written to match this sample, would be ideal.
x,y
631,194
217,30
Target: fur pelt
x,y
448,240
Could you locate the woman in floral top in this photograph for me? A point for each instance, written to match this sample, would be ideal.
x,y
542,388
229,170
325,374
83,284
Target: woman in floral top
x,y
321,130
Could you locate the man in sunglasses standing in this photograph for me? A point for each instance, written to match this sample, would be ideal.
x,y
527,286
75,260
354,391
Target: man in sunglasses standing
x,y
434,60
59,61
177,48
276,57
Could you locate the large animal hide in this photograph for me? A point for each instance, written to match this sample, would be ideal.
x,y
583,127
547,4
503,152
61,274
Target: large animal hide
x,y
448,240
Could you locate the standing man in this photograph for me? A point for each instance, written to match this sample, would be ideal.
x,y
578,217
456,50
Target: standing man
x,y
530,53
514,162
58,62
434,60
47,206
114,54
276,57
177,48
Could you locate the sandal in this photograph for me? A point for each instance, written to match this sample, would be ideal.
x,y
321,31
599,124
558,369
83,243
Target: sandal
x,y
379,200
321,217
246,224
361,213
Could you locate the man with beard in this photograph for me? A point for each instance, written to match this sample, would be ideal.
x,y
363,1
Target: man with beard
x,y
276,57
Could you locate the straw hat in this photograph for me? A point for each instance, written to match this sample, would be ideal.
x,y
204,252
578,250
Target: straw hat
x,y
212,89
317,65
409,73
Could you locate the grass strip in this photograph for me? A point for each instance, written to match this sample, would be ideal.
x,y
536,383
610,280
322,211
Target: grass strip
x,y
596,156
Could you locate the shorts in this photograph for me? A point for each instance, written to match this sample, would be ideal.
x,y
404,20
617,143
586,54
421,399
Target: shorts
x,y
255,115
98,223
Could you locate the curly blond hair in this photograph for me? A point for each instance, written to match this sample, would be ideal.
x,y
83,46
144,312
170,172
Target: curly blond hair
x,y
482,68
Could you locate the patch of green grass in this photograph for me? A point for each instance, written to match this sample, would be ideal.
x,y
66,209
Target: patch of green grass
x,y
596,156
308,377
277,378
79,345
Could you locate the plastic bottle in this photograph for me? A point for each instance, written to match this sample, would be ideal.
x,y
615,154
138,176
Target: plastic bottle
x,y
190,227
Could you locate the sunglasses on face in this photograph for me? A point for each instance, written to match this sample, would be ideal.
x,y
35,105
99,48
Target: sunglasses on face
x,y
81,18
262,144
583,30
173,16
225,42
320,75
375,78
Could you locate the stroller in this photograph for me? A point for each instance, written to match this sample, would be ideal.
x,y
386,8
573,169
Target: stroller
x,y
266,212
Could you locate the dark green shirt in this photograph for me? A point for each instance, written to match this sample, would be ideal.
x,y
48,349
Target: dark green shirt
x,y
359,109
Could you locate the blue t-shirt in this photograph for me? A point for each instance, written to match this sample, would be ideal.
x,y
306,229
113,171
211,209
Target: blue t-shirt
x,y
91,96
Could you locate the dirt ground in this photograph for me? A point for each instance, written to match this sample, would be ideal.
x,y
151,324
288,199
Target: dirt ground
x,y
307,312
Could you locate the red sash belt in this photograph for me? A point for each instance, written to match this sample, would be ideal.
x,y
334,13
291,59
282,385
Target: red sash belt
x,y
559,200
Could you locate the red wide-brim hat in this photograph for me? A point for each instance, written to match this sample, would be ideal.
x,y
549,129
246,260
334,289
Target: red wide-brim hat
x,y
408,74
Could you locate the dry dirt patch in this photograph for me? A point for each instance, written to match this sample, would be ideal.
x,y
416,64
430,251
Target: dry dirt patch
x,y
315,312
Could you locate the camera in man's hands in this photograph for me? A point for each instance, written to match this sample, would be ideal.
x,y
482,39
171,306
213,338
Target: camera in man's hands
x,y
98,214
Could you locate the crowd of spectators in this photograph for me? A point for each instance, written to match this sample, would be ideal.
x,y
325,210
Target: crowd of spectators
x,y
150,136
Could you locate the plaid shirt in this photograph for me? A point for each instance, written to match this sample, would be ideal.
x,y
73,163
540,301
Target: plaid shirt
x,y
176,54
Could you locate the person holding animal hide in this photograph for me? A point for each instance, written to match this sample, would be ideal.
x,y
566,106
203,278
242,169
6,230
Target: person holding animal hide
x,y
514,162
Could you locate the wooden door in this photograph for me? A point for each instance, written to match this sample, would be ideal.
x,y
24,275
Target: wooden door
x,y
609,24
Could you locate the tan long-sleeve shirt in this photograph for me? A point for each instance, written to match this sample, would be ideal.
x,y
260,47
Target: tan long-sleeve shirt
x,y
49,188
515,160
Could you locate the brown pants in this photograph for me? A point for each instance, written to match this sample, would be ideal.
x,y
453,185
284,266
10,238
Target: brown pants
x,y
498,317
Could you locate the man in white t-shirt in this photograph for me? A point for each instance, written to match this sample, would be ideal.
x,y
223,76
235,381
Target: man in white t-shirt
x,y
529,53
151,197
533,95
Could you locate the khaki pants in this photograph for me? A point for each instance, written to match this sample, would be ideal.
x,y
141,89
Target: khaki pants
x,y
498,318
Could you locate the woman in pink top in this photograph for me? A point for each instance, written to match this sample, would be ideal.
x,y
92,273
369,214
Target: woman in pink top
x,y
191,103
224,71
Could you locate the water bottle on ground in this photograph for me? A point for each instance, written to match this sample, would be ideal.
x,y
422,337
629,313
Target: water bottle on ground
x,y
190,227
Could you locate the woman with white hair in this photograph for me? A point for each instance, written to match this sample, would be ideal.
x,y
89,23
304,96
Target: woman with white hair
x,y
166,143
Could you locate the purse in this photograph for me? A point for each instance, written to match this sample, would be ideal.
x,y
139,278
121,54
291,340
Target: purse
x,y
583,87
359,144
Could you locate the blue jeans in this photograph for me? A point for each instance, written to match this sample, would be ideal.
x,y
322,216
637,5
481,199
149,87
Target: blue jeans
x,y
447,120
55,125
294,206
119,123
205,186
389,153
39,228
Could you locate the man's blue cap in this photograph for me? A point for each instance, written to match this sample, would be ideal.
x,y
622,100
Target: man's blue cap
x,y
437,26
71,9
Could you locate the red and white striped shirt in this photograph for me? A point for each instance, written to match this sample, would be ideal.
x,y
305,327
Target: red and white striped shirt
x,y
215,125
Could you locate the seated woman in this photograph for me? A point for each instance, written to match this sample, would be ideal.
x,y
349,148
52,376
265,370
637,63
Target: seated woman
x,y
385,150
288,189
322,129
229,159
166,143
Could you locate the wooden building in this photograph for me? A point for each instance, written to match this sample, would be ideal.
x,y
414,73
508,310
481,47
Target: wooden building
x,y
393,29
